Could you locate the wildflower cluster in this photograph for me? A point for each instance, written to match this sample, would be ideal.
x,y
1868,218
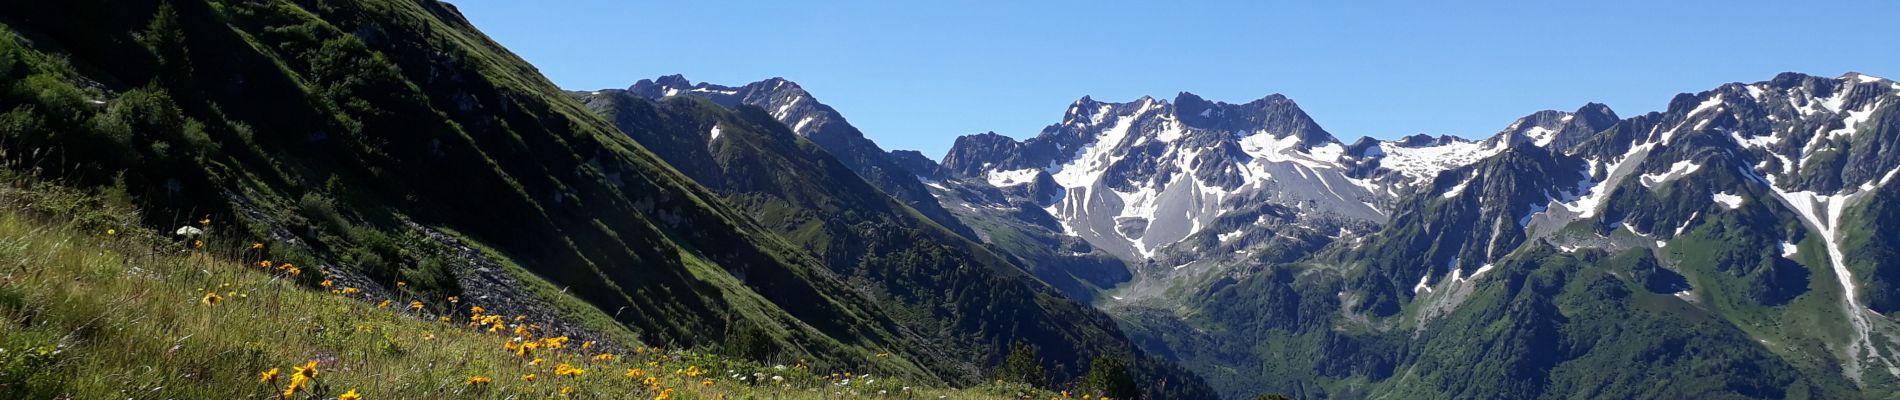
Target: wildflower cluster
x,y
545,361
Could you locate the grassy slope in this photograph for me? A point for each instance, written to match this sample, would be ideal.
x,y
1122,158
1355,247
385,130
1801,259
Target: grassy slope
x,y
339,127
89,314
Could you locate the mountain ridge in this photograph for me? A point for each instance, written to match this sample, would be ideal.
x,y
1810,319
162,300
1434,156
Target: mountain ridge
x,y
1456,213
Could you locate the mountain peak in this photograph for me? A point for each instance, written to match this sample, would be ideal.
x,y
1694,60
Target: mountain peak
x,y
675,80
779,82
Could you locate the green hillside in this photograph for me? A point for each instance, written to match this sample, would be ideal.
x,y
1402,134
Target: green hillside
x,y
389,147
95,306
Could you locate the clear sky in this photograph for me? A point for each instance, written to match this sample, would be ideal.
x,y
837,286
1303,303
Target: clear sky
x,y
916,74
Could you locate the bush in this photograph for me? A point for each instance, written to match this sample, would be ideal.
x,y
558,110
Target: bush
x,y
1110,377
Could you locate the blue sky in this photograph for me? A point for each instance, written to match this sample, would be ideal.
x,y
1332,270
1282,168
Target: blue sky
x,y
916,74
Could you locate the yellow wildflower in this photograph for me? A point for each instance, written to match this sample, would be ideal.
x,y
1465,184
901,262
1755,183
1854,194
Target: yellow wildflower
x,y
297,383
197,244
665,394
267,376
327,284
206,221
537,361
707,382
350,395
401,284
567,390
212,298
635,372
294,271
478,380
308,370
528,377
257,245
415,305
477,310
568,370
384,304
112,232
455,299
351,290
603,357
587,344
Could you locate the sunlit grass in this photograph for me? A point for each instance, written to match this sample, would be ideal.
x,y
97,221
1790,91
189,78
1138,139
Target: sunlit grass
x,y
123,312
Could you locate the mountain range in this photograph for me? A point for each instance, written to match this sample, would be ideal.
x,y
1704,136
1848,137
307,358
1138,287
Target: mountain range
x,y
1244,240
1741,243
1745,218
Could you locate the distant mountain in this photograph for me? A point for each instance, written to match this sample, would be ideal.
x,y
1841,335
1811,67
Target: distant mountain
x,y
1541,259
791,105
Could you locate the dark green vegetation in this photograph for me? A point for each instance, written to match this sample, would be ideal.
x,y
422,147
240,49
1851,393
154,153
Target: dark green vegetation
x,y
370,137
355,128
952,291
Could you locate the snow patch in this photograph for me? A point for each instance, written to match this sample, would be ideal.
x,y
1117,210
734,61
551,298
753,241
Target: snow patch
x,y
1454,191
1677,170
1730,200
1230,236
800,127
1421,164
1711,103
1012,178
1685,224
1481,270
1788,250
1540,135
714,135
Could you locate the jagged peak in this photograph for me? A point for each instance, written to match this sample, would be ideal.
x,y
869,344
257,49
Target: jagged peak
x,y
674,80
1595,108
778,83
1185,98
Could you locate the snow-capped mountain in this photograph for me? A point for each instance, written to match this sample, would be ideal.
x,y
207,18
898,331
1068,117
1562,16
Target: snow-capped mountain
x,y
1136,177
1770,208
